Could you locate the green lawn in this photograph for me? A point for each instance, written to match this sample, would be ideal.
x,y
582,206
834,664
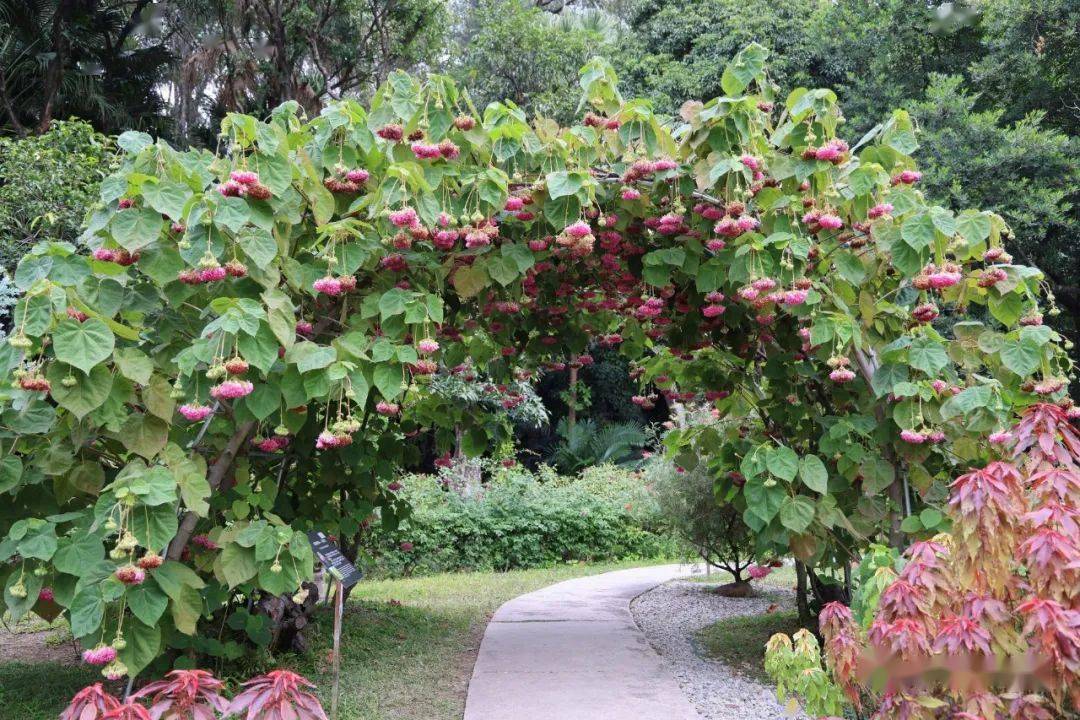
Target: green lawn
x,y
407,662
739,642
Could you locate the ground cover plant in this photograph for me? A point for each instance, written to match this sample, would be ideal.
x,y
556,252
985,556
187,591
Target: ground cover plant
x,y
240,345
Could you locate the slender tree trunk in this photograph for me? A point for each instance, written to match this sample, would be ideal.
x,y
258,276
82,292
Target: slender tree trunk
x,y
54,70
571,414
214,477
800,593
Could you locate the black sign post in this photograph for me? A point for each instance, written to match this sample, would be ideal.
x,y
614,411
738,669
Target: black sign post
x,y
345,574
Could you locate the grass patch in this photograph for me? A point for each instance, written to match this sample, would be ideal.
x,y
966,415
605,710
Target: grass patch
x,y
739,642
40,691
409,659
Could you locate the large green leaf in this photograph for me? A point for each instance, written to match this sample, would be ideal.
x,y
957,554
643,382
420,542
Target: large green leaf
x,y
147,601
1022,355
142,647
154,526
79,393
135,228
308,356
782,462
11,470
84,344
762,498
236,565
796,513
928,355
813,474
144,434
86,612
167,197
77,553
918,231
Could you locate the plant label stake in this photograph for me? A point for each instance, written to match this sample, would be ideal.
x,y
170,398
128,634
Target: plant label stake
x,y
344,575
339,609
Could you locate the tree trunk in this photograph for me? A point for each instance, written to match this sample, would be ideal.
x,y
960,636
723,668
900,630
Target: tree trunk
x,y
800,594
214,477
571,413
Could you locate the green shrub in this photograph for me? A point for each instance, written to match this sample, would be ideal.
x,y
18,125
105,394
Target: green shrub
x,y
713,528
47,183
520,521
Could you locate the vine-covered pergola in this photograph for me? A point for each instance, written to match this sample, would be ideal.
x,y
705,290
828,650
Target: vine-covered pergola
x,y
240,348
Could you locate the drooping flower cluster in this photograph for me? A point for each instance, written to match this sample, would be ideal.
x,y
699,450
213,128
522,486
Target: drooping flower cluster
x,y
232,389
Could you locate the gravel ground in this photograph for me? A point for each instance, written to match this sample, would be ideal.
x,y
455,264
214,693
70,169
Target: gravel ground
x,y
671,614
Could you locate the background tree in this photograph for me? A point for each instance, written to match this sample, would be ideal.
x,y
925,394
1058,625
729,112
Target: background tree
x,y
714,530
99,61
1027,171
253,55
515,51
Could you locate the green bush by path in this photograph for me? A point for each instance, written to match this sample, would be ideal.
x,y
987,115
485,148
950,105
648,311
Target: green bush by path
x,y
47,182
522,520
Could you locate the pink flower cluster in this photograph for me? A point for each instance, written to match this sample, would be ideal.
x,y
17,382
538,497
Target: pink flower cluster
x,y
119,256
388,409
842,375
578,229
918,437
879,210
232,389
734,227
834,151
327,285
195,412
272,444
205,542
933,277
244,183
758,571
101,655
328,440
405,218
198,276
130,574
907,177
816,220
427,346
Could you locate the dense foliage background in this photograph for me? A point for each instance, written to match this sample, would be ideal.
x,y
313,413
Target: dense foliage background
x,y
523,520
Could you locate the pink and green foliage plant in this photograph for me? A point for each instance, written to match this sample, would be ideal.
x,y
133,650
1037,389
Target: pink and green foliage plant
x,y
277,695
185,695
196,695
984,621
90,703
128,711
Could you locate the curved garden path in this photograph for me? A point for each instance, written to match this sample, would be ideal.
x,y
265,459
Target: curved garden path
x,y
573,651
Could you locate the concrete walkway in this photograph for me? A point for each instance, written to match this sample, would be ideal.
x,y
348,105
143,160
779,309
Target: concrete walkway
x,y
572,651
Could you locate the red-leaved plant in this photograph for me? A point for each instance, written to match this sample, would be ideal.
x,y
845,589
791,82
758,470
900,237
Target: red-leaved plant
x,y
90,703
185,695
277,695
130,710
985,623
195,695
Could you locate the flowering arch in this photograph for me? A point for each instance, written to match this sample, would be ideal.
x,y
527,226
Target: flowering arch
x,y
242,347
